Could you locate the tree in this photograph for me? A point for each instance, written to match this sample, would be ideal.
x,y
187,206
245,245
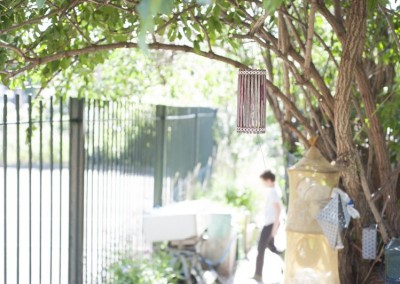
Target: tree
x,y
331,72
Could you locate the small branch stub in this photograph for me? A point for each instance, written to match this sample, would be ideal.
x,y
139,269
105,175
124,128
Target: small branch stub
x,y
251,101
310,33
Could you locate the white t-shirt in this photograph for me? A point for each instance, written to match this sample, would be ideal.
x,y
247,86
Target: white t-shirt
x,y
272,197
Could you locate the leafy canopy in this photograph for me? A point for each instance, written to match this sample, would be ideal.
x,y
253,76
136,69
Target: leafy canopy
x,y
40,40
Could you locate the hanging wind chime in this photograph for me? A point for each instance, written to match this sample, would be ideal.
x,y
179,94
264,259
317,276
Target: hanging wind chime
x,y
251,101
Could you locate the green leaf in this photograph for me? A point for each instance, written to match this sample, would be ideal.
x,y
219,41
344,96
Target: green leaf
x,y
367,122
148,9
217,11
215,24
204,2
196,27
188,32
196,46
65,63
4,80
54,66
40,3
372,5
172,32
272,5
233,43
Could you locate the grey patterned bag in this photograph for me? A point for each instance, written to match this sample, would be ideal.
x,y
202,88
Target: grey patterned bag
x,y
369,242
332,219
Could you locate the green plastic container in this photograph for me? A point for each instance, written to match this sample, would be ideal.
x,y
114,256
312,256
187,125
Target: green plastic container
x,y
392,256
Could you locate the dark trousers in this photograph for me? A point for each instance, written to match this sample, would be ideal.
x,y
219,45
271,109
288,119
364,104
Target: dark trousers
x,y
266,241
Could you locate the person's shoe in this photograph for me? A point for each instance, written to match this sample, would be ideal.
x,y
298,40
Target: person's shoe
x,y
281,254
258,278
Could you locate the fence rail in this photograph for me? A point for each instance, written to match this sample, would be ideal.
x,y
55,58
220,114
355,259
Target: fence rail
x,y
77,177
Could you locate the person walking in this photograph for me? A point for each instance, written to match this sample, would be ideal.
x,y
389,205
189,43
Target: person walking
x,y
273,207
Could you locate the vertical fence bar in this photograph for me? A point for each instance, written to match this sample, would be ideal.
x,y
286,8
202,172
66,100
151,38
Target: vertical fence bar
x,y
112,184
107,189
61,191
51,187
103,166
135,156
159,169
139,172
196,137
76,197
92,204
30,187
124,133
86,191
129,145
116,180
100,162
127,125
117,204
17,108
5,100
121,180
40,185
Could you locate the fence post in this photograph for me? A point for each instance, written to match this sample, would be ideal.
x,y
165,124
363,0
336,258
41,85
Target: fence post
x,y
159,168
196,137
76,191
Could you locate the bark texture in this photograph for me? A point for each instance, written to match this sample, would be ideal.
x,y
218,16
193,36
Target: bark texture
x,y
346,152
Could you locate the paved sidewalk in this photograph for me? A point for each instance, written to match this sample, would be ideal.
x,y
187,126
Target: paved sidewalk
x,y
272,272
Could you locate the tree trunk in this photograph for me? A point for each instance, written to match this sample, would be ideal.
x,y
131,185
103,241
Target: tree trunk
x,y
352,50
377,139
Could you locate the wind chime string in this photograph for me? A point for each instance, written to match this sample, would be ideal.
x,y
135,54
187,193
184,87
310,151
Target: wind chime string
x,y
262,154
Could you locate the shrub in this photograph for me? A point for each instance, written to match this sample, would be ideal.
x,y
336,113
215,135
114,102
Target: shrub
x,y
153,270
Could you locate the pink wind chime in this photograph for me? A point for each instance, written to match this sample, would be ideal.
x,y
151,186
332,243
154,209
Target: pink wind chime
x,y
251,101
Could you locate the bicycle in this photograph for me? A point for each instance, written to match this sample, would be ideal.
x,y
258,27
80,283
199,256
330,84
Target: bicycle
x,y
195,268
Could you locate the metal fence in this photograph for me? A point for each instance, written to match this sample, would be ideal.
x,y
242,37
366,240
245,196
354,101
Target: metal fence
x,y
185,150
77,177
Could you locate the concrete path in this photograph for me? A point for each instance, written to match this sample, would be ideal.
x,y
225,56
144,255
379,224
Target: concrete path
x,y
272,272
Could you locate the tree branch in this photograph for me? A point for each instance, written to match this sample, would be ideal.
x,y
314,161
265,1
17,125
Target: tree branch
x,y
393,177
310,33
337,26
17,51
39,19
74,24
297,133
352,50
174,18
367,193
326,47
338,10
365,89
204,31
108,47
391,28
329,145
303,28
295,34
109,4
290,105
258,23
268,38
377,259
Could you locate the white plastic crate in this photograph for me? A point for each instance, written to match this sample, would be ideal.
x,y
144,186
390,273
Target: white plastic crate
x,y
178,221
